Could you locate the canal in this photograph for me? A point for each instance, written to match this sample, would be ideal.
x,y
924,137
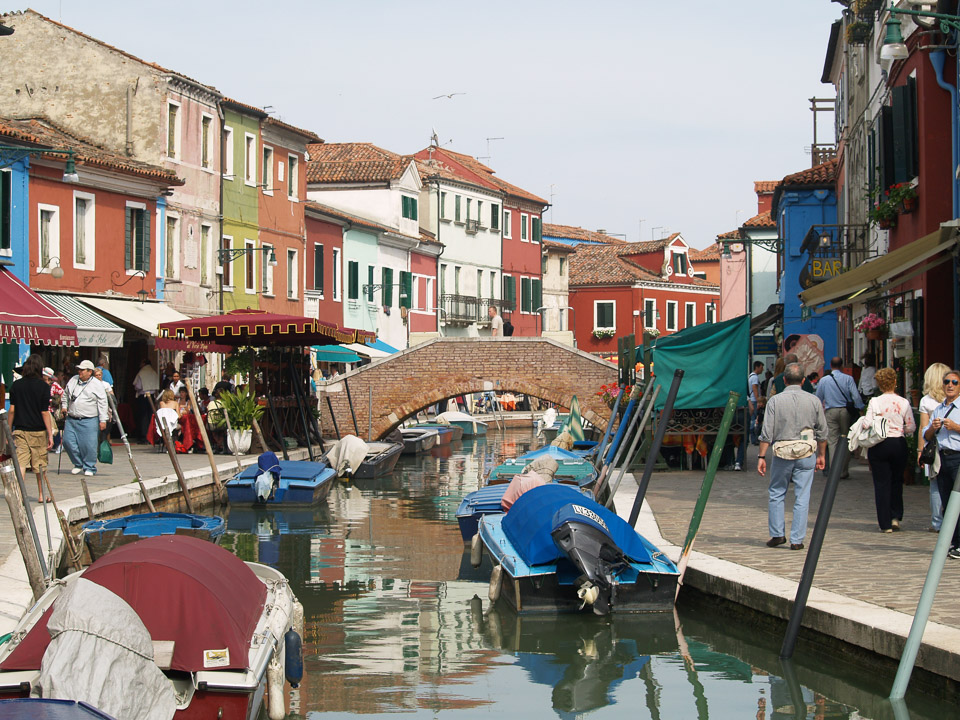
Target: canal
x,y
397,621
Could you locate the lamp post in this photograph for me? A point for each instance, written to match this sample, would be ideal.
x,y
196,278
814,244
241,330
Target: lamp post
x,y
894,48
228,255
142,293
56,271
69,171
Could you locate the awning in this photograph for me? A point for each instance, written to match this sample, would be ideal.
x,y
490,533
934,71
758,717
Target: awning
x,y
334,353
767,318
371,351
142,316
93,329
26,316
876,277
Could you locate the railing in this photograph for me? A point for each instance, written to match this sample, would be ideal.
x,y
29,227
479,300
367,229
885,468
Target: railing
x,y
472,227
468,309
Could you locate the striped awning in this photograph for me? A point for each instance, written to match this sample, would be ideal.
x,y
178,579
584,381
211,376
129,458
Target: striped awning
x,y
25,316
93,329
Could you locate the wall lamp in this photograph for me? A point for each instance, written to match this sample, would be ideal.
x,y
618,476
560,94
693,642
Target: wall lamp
x,y
228,255
70,169
369,290
56,272
894,48
142,293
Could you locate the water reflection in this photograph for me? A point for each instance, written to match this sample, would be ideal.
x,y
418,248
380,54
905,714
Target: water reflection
x,y
396,620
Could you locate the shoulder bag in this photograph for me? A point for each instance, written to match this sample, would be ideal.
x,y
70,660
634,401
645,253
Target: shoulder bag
x,y
852,409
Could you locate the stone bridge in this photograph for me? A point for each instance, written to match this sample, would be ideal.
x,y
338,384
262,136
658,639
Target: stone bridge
x,y
401,385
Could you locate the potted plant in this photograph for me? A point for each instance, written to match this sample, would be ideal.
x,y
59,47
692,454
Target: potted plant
x,y
903,196
858,32
865,9
608,393
603,334
914,369
242,409
872,325
884,214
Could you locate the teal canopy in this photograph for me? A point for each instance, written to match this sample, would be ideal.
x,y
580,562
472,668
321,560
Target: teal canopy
x,y
335,353
714,358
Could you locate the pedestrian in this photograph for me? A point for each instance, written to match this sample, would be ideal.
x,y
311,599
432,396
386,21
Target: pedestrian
x,y
85,400
778,383
496,322
836,391
932,396
30,419
945,425
753,399
103,365
225,384
867,386
795,433
813,378
146,382
888,458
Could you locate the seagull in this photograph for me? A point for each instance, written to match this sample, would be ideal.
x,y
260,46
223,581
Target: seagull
x,y
448,96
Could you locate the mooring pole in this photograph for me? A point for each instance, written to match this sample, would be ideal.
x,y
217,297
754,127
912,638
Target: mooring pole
x,y
615,451
126,443
298,396
333,418
15,462
172,452
665,415
606,435
201,426
915,637
370,413
276,427
356,428
728,412
633,445
813,552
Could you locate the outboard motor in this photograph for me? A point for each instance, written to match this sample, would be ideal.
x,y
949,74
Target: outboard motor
x,y
293,657
597,557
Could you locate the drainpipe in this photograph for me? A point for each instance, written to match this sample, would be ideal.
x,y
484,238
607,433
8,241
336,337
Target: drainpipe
x,y
223,165
129,121
937,60
436,288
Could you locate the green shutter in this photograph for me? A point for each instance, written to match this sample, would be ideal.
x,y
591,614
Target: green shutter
x,y
536,229
353,280
537,293
128,241
509,292
413,206
387,277
6,209
145,263
525,294
406,288
370,283
495,216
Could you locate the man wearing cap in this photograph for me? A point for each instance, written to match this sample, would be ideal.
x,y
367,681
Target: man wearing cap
x,y
85,400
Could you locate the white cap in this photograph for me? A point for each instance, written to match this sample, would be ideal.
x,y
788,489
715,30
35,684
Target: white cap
x,y
48,371
85,365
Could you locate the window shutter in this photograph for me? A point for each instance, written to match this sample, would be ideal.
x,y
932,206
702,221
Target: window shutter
x,y
370,283
413,205
537,294
901,132
128,241
318,267
525,294
886,148
145,262
353,280
406,288
6,209
509,292
387,277
536,230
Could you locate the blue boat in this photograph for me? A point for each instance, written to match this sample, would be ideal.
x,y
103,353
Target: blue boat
x,y
49,709
484,501
470,425
294,482
102,536
448,433
558,551
573,469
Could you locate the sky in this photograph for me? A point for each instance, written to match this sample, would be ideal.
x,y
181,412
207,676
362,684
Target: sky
x,y
638,117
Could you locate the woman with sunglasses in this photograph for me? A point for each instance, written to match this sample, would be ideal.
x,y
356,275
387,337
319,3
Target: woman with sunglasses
x,y
945,425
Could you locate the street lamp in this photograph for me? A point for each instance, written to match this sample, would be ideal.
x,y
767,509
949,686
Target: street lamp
x,y
70,169
228,255
893,46
56,272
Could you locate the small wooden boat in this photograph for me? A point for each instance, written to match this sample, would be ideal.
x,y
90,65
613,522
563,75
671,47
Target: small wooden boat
x,y
558,551
452,432
468,423
418,440
380,460
102,536
293,482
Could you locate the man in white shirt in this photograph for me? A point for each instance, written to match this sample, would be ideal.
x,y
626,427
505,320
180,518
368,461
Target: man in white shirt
x,y
147,382
496,322
85,400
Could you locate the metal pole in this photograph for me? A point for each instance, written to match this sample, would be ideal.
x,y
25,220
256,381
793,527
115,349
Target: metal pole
x,y
204,437
333,418
172,452
126,442
356,428
606,435
278,431
8,434
728,412
665,415
633,445
915,637
813,552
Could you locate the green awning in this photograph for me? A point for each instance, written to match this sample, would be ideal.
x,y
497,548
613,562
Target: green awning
x,y
335,353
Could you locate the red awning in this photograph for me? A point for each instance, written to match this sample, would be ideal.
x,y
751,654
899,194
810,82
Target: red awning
x,y
24,315
257,328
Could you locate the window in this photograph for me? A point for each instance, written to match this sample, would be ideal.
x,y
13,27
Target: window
x,y
266,173
480,212
456,280
711,313
353,280
226,243
136,247
509,293
84,233
49,235
292,281
409,207
6,208
173,131
370,271
493,284
526,298
443,279
543,264
456,208
649,314
479,283
469,203
293,177
250,159
318,267
206,141
335,257
563,267
406,289
523,227
171,247
428,305
386,278
494,216
680,263
249,267
443,206
228,153
266,272
206,233
898,142
536,295
671,314
691,311
507,232
535,222
604,312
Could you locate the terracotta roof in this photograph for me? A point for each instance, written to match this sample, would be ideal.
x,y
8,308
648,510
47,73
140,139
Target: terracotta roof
x,y
711,253
572,232
487,174
822,174
764,187
641,248
437,169
40,131
354,162
237,105
729,235
763,220
605,265
308,134
559,247
355,219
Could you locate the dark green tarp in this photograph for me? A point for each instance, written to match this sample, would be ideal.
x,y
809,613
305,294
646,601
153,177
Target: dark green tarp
x,y
714,358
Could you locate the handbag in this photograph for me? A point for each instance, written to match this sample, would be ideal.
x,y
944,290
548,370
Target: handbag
x,y
105,452
852,409
929,452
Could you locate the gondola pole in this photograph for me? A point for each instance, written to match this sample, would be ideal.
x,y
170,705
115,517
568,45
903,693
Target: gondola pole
x,y
333,418
64,526
126,443
623,432
356,427
633,445
236,453
606,434
172,452
298,395
278,431
206,440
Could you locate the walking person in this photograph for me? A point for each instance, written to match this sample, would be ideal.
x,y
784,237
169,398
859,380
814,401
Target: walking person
x,y
888,458
496,322
837,390
30,419
868,383
753,398
56,412
945,425
147,382
932,396
85,400
794,433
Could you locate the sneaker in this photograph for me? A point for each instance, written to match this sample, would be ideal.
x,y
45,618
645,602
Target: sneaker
x,y
89,473
796,546
886,530
895,524
737,467
76,471
954,553
774,541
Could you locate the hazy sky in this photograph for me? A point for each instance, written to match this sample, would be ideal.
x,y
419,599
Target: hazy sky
x,y
634,115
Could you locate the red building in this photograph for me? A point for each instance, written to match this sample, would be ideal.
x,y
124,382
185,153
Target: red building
x,y
323,279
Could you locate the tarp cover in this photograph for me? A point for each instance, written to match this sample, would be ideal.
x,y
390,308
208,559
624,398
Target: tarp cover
x,y
538,512
714,358
101,653
553,451
347,454
183,589
291,470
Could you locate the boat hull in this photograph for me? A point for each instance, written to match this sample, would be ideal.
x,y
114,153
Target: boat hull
x,y
102,536
418,440
455,433
307,483
379,463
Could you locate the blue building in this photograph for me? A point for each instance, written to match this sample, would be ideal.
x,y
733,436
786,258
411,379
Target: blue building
x,y
805,210
14,238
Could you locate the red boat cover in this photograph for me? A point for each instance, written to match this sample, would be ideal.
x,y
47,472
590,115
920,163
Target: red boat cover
x,y
187,590
24,315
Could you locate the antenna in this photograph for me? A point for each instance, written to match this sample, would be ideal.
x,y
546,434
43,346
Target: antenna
x,y
488,155
552,193
639,229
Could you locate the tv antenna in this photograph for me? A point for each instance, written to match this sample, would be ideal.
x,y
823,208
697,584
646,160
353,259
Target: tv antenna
x,y
552,193
488,156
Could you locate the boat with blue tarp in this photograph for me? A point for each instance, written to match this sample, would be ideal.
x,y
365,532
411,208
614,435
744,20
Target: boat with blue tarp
x,y
49,709
557,550
281,482
102,536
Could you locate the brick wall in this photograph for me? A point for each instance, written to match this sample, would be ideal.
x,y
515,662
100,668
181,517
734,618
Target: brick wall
x,y
414,379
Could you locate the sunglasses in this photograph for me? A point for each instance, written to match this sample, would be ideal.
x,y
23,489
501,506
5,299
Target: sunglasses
x,y
948,381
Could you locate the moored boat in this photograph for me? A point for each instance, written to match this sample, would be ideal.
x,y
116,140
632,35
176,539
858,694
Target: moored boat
x,y
475,505
572,468
102,536
49,709
468,423
418,440
281,482
453,432
380,460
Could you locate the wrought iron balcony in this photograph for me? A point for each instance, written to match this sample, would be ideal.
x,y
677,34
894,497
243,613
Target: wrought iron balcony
x,y
468,309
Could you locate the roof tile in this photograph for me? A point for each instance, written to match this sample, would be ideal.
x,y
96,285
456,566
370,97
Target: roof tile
x,y
486,174
765,187
763,220
572,232
354,162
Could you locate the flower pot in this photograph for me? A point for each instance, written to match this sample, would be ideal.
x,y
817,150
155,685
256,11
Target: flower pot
x,y
874,334
887,223
238,441
908,205
915,397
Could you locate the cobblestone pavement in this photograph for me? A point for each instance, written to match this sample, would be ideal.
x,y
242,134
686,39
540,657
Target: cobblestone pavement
x,y
857,559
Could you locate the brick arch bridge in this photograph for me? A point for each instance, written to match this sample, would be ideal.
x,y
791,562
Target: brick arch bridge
x,y
409,381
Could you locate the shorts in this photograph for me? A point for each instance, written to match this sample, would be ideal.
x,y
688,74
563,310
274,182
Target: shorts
x,y
31,449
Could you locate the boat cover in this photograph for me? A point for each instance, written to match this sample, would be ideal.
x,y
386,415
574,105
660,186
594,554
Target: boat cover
x,y
184,589
290,470
540,511
101,653
347,454
557,453
40,709
518,486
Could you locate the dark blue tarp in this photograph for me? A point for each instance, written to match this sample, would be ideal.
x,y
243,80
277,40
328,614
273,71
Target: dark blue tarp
x,y
538,512
289,470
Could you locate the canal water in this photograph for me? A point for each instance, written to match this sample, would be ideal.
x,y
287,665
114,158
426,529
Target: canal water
x,y
397,621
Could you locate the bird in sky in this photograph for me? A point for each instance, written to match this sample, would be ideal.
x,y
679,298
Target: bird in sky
x,y
448,96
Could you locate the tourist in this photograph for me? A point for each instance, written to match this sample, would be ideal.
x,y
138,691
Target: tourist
x,y
813,378
168,412
103,364
778,383
889,457
225,384
203,399
795,432
754,395
85,401
30,419
496,322
175,383
868,384
932,396
836,390
146,382
946,427
56,395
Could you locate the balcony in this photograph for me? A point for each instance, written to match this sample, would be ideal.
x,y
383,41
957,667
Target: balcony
x,y
468,309
473,226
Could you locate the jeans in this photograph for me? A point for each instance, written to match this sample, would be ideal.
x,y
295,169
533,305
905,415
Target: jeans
x,y
781,473
838,425
936,510
887,460
80,438
945,479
